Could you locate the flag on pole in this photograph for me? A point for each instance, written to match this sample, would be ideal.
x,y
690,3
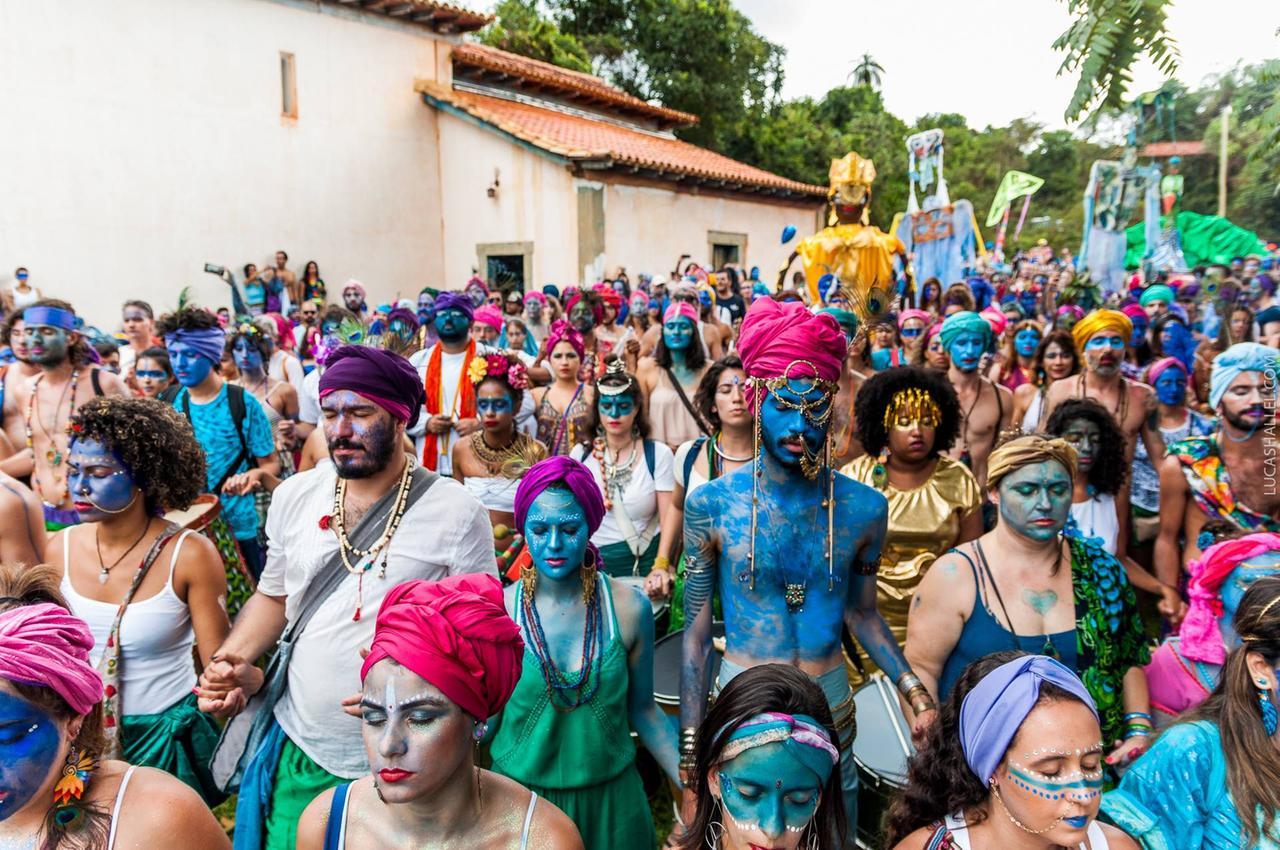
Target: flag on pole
x,y
1015,184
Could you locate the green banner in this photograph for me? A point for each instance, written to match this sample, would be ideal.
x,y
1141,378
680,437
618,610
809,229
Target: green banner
x,y
1014,185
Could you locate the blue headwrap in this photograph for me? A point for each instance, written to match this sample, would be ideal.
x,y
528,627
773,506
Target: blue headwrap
x,y
962,322
1236,360
993,711
1156,292
51,317
209,343
459,301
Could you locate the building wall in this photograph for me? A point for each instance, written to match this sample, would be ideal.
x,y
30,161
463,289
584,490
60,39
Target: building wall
x,y
534,201
144,138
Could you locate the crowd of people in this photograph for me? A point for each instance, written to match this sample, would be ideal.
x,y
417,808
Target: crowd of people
x,y
637,552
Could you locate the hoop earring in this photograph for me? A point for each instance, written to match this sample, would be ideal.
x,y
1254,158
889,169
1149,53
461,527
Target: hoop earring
x,y
1270,718
590,571
714,831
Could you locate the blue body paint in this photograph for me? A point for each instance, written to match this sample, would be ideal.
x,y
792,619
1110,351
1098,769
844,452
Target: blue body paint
x,y
46,345
476,294
452,325
189,367
767,789
617,406
1171,387
581,317
556,531
1101,342
1078,786
493,406
426,308
1028,302
1026,342
1140,326
361,436
29,745
1086,438
246,356
967,349
1242,578
677,333
1035,500
99,482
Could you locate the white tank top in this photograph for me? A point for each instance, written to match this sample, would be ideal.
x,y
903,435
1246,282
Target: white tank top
x,y
1031,419
157,668
496,494
1097,517
1097,839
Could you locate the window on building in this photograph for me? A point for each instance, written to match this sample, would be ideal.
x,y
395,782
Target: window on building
x,y
288,86
726,248
505,271
722,255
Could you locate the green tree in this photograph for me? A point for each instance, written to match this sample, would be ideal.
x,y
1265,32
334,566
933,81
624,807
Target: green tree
x,y
868,72
520,28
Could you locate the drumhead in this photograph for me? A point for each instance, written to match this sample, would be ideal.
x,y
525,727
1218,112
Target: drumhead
x,y
667,654
883,744
202,510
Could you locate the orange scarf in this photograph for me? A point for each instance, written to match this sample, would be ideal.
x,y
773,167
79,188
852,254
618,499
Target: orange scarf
x,y
432,445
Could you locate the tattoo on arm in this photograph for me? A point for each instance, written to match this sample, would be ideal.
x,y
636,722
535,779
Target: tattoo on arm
x,y
699,585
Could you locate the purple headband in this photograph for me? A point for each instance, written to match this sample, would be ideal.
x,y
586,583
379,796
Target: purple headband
x,y
456,301
51,317
209,343
570,473
993,711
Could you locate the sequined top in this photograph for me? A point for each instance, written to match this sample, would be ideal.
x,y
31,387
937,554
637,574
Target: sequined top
x,y
561,432
1175,796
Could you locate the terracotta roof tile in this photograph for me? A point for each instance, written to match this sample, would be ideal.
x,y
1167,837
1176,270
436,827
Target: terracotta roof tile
x,y
441,17
487,58
579,138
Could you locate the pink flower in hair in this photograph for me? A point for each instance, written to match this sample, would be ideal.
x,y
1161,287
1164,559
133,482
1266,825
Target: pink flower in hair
x,y
518,376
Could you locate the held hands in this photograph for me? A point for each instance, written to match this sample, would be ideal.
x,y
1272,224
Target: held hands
x,y
657,584
1171,606
286,436
226,685
245,482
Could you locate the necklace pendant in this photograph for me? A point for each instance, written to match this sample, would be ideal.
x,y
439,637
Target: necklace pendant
x,y
794,596
53,456
103,575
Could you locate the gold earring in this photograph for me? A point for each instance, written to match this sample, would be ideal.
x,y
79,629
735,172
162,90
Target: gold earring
x,y
589,572
529,579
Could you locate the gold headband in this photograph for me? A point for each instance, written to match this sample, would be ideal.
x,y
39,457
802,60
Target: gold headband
x,y
1261,614
912,405
1027,450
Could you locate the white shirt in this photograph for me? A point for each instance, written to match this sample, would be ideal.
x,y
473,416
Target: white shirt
x,y
309,398
286,367
445,533
640,498
1097,517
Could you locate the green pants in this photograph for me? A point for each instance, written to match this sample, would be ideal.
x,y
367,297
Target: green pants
x,y
299,780
619,560
179,740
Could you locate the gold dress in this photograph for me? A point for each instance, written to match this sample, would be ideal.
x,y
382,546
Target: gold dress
x,y
923,524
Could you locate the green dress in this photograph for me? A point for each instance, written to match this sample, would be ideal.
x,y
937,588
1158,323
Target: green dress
x,y
581,760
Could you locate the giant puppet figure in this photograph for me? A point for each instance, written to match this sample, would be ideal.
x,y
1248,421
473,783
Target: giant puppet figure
x,y
1115,191
941,237
790,545
858,256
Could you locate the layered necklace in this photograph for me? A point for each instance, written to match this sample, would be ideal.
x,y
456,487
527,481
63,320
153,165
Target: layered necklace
x,y
616,472
53,455
567,691
365,558
508,461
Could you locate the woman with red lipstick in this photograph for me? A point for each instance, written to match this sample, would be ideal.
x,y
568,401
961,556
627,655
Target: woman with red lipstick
x,y
1025,585
564,407
147,589
906,419
1055,358
445,658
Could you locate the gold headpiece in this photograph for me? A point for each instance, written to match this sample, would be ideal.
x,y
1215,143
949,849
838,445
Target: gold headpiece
x,y
912,405
614,370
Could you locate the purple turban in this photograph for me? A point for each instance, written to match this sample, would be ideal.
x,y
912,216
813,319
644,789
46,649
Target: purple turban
x,y
456,301
569,473
993,711
408,317
386,379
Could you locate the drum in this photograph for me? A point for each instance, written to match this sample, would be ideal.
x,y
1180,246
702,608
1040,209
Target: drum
x,y
661,619
880,751
205,516
667,655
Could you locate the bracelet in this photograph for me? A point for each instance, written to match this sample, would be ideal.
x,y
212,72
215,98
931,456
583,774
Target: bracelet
x,y
1137,731
1136,715
907,683
688,742
662,562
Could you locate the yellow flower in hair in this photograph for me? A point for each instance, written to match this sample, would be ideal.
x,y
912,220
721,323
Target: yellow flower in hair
x,y
477,369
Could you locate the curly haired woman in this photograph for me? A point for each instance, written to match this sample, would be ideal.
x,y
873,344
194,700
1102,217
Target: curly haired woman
x,y
147,589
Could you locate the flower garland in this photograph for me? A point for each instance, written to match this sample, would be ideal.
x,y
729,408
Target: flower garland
x,y
502,366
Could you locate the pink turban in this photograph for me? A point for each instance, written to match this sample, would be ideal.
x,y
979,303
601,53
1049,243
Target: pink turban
x,y
680,308
998,321
775,334
45,645
562,331
1200,635
1134,311
907,315
1154,370
597,309
534,295
356,285
489,315
456,634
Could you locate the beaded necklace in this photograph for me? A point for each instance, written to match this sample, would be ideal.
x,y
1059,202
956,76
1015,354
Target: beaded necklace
x,y
499,460
566,692
616,475
53,455
365,558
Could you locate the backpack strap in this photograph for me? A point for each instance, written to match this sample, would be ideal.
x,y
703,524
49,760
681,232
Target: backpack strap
x,y
96,379
691,458
649,456
236,405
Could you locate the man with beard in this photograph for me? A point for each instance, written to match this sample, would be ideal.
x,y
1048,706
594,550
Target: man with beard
x,y
1101,338
13,375
450,396
427,318
536,316
790,546
342,535
353,298
986,408
42,406
1228,475
229,423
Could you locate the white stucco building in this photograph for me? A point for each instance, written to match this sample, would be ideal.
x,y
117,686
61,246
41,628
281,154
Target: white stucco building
x,y
145,138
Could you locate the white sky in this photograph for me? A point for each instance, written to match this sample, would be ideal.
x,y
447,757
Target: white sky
x,y
990,60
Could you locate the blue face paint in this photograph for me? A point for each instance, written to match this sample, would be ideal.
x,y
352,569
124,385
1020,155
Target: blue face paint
x,y
556,532
98,481
1243,577
1035,500
46,345
497,406
967,349
452,325
1171,387
1139,331
766,789
246,355
1103,342
1028,302
1026,342
788,433
677,333
618,406
1086,438
426,308
1079,786
189,367
29,742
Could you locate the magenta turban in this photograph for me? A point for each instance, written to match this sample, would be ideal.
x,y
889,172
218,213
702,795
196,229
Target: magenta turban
x,y
562,331
456,634
383,377
775,334
489,315
1200,637
561,470
45,645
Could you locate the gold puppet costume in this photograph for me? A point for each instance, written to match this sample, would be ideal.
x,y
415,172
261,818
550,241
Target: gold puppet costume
x,y
858,255
923,524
